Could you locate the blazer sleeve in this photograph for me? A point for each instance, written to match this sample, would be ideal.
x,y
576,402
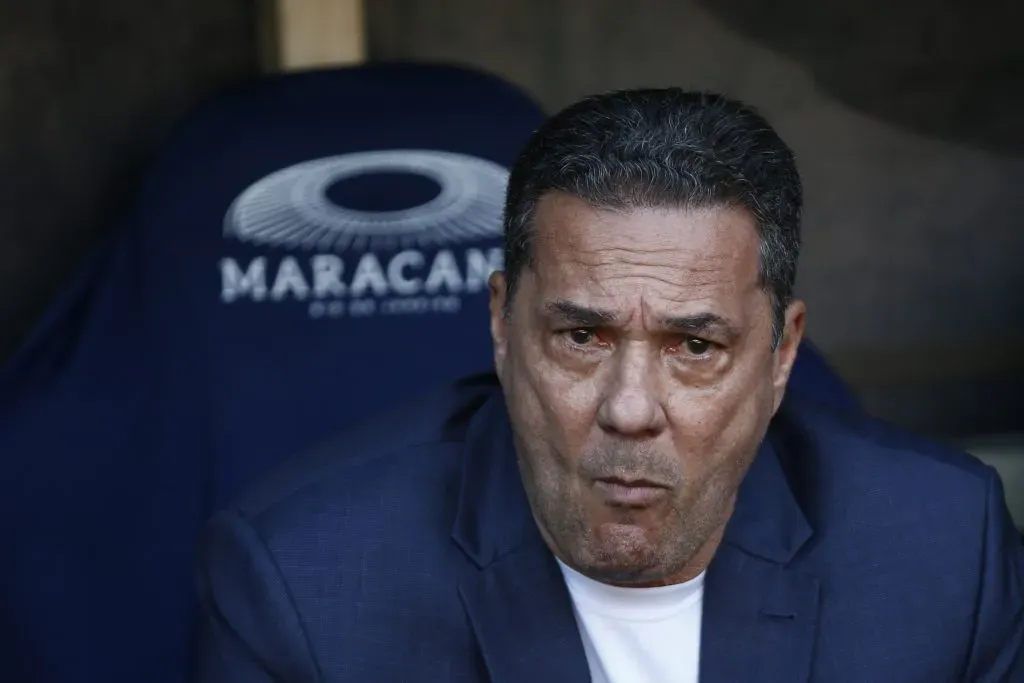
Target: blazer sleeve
x,y
997,653
250,631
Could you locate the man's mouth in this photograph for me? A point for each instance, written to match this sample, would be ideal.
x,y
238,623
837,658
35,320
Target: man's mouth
x,y
635,493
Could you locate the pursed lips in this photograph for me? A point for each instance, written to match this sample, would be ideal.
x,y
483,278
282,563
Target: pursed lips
x,y
635,493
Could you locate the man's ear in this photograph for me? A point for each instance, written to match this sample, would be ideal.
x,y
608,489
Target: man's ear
x,y
785,355
497,286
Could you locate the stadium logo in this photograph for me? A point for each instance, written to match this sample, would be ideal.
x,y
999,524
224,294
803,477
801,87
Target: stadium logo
x,y
356,262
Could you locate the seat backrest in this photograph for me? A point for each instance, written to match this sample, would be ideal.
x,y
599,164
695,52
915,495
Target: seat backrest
x,y
306,250
324,242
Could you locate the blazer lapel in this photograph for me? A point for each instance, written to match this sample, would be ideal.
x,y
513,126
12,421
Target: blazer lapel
x,y
759,621
517,602
523,618
760,615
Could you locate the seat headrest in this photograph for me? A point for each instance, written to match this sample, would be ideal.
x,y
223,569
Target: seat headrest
x,y
378,118
315,170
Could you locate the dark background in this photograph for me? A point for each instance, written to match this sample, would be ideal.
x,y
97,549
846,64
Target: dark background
x,y
906,117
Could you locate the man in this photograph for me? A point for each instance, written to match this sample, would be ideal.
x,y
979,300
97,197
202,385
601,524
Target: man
x,y
632,500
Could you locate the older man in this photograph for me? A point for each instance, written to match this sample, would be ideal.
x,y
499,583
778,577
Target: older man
x,y
631,498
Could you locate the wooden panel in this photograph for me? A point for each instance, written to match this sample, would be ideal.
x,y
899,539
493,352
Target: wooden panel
x,y
305,34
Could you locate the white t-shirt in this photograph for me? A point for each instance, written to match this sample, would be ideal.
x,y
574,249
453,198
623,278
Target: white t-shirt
x,y
638,635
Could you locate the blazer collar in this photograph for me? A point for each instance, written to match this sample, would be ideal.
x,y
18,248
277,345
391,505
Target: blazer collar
x,y
760,610
493,515
517,604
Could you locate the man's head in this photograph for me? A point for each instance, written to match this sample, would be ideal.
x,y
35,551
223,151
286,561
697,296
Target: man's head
x,y
645,325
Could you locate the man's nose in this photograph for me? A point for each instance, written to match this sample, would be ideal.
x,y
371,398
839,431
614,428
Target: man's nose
x,y
631,404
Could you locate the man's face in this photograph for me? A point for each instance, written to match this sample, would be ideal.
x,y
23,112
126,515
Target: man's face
x,y
638,369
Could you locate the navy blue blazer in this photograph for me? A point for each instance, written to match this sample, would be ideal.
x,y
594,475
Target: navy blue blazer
x,y
405,551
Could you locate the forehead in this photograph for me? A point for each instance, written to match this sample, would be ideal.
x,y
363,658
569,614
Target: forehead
x,y
653,253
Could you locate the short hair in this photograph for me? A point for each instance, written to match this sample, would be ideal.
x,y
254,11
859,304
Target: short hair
x,y
668,147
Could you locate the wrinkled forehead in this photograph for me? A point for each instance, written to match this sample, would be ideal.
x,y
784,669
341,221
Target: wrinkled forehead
x,y
655,257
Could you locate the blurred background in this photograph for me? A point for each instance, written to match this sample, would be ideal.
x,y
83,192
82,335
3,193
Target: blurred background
x,y
906,116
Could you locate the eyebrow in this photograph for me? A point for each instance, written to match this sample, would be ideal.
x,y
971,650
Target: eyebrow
x,y
570,313
575,314
701,324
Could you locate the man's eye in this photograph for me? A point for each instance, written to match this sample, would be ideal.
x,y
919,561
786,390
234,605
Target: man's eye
x,y
697,347
581,337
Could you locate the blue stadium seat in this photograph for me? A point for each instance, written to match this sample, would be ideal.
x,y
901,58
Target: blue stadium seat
x,y
307,250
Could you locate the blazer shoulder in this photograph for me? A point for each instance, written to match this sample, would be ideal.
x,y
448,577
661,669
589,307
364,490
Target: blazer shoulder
x,y
900,511
850,440
859,477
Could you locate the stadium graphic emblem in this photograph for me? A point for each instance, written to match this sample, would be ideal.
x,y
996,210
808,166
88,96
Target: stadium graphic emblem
x,y
337,261
290,208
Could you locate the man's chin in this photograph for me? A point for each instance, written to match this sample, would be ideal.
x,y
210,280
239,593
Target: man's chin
x,y
621,553
621,537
